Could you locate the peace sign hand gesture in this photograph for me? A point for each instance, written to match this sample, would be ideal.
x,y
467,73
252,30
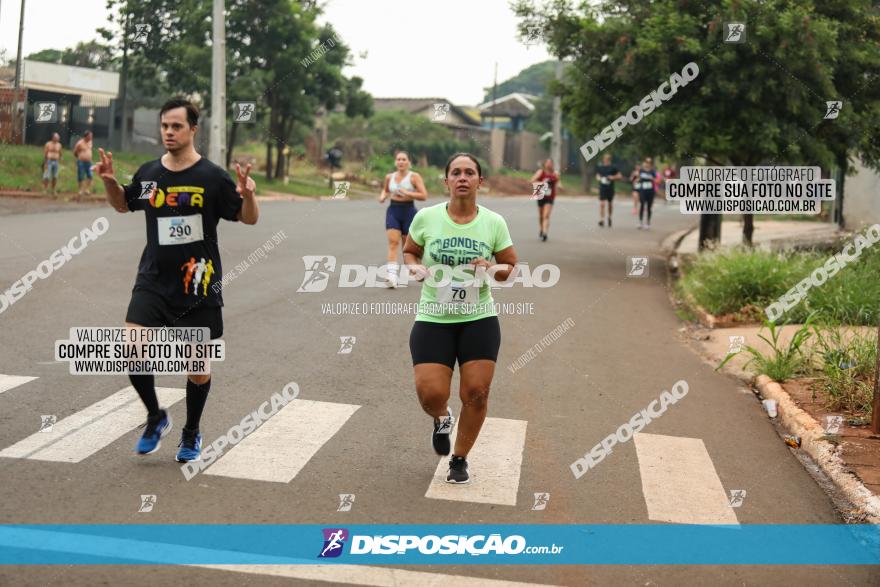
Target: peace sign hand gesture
x,y
246,185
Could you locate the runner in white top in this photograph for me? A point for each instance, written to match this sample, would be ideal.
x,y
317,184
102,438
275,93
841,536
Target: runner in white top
x,y
402,188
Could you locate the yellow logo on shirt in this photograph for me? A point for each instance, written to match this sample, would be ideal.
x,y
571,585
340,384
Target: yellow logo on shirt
x,y
185,195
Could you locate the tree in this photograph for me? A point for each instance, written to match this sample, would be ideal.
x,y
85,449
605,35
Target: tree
x,y
46,56
266,43
760,102
532,80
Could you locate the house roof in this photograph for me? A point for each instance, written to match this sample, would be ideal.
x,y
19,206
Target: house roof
x,y
414,105
515,104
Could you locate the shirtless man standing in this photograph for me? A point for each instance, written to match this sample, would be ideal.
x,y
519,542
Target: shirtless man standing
x,y
83,153
51,160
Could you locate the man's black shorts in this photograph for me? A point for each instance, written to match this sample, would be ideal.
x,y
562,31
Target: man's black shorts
x,y
432,342
606,192
149,309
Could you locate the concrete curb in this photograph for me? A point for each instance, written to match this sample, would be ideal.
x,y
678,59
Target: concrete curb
x,y
670,245
800,423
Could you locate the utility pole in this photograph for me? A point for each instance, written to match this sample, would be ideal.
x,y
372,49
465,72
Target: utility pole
x,y
494,95
556,142
123,83
19,118
18,56
217,146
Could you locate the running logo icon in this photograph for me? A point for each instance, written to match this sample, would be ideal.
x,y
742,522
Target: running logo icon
x,y
47,423
318,270
832,424
147,188
340,189
734,32
832,109
539,190
45,112
334,541
346,500
735,344
534,35
541,501
346,345
440,112
636,266
140,33
737,496
147,503
244,111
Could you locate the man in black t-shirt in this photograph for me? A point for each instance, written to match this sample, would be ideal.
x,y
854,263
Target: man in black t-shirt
x,y
606,174
183,197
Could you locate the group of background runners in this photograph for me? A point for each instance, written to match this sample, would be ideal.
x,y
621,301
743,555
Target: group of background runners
x,y
646,182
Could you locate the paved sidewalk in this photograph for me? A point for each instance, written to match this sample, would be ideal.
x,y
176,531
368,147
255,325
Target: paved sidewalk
x,y
769,234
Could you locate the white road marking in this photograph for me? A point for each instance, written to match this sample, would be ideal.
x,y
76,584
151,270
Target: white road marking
x,y
679,481
84,433
281,446
494,464
364,575
8,382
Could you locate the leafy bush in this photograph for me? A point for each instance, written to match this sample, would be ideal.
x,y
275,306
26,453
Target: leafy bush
x,y
846,370
783,361
730,280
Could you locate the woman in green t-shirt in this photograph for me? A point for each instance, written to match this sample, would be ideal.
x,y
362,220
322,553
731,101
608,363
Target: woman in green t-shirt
x,y
450,247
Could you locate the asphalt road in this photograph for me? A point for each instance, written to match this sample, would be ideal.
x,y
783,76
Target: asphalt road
x,y
624,349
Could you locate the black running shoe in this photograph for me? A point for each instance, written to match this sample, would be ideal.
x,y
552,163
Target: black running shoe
x,y
458,470
442,430
544,237
609,222
601,223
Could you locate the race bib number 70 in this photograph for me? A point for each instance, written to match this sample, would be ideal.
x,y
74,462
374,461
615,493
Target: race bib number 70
x,y
179,230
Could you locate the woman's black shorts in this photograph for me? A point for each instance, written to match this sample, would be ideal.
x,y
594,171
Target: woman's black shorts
x,y
432,342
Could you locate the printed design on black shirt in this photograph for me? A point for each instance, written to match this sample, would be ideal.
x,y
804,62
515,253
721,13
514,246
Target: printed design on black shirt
x,y
174,196
197,273
147,188
457,250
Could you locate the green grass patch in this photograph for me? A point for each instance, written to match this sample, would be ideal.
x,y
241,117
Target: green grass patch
x,y
21,168
738,280
783,361
845,367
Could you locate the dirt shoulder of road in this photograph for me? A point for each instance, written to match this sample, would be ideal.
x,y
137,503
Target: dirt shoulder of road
x,y
850,456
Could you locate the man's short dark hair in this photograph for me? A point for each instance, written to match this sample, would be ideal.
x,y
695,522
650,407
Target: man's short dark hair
x,y
192,112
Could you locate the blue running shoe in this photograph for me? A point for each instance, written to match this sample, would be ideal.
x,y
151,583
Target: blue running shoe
x,y
155,430
190,446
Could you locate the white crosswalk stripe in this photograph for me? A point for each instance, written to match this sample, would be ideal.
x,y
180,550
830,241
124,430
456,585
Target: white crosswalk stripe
x,y
368,575
494,464
280,448
8,382
84,433
679,481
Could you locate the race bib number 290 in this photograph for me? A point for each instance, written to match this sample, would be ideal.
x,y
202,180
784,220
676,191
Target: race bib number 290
x,y
179,230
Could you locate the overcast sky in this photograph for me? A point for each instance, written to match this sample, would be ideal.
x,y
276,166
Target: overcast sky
x,y
415,48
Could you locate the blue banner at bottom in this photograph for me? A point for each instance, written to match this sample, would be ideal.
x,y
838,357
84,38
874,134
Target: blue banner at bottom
x,y
538,544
